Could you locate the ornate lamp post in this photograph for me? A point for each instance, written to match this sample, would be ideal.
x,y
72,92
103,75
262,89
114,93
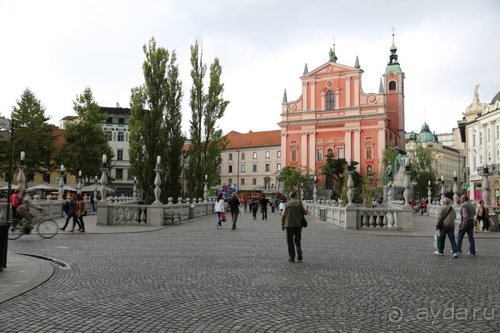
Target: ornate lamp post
x,y
134,190
95,188
429,192
315,190
61,182
79,182
157,190
21,179
486,186
350,183
455,189
406,193
104,179
443,191
205,190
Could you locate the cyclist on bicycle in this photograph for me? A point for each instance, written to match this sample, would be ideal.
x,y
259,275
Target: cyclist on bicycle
x,y
24,211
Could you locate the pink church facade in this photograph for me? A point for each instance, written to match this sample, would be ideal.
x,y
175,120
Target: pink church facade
x,y
334,115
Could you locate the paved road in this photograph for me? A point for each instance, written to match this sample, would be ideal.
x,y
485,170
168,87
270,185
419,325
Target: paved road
x,y
195,278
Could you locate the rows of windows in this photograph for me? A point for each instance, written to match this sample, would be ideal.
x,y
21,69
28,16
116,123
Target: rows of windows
x,y
340,153
254,155
117,136
267,168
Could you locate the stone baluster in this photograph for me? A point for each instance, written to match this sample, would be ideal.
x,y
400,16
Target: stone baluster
x,y
170,201
389,192
205,190
179,201
200,200
134,190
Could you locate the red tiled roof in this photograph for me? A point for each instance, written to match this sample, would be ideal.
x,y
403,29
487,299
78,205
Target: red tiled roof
x,y
59,138
253,139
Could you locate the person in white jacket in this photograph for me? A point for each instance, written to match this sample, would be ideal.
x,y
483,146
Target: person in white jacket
x,y
219,210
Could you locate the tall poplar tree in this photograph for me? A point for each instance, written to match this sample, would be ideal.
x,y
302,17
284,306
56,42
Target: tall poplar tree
x,y
155,123
206,109
33,134
173,120
85,141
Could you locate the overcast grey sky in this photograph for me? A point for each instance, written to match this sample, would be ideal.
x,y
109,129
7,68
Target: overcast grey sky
x,y
58,47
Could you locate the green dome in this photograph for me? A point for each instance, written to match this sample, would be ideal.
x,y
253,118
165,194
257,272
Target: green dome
x,y
425,135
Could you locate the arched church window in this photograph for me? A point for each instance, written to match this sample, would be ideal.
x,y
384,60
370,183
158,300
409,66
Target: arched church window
x,y
369,170
392,85
329,100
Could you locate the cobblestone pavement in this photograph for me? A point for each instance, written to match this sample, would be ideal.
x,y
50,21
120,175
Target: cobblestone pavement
x,y
195,278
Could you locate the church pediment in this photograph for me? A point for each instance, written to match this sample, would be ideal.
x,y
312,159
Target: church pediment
x,y
330,68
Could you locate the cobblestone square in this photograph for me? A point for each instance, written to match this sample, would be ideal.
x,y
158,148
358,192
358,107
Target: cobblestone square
x,y
195,278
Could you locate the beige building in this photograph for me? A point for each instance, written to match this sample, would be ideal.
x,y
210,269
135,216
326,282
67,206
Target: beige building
x,y
480,130
446,160
251,161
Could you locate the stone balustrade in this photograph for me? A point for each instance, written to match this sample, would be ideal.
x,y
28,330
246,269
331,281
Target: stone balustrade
x,y
394,216
120,212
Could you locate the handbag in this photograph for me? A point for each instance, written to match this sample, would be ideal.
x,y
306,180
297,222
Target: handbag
x,y
223,217
304,222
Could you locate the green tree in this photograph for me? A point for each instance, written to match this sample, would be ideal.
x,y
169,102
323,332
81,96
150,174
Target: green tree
x,y
291,178
148,121
421,170
206,110
84,140
333,170
33,134
173,119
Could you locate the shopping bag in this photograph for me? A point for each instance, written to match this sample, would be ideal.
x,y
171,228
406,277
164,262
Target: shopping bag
x,y
438,240
223,217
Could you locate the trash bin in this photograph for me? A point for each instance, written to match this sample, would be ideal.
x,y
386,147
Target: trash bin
x,y
191,212
4,239
322,214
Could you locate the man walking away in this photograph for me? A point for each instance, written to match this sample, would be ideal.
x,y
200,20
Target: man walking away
x,y
446,227
263,206
467,213
291,220
234,207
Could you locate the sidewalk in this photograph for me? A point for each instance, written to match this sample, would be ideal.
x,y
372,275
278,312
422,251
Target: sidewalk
x,y
24,273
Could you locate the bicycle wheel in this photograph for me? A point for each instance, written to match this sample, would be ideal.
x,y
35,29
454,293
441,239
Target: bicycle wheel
x,y
47,228
14,232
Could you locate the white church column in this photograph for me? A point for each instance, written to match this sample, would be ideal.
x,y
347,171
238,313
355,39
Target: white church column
x,y
304,95
313,95
284,149
312,152
303,150
348,91
348,144
357,148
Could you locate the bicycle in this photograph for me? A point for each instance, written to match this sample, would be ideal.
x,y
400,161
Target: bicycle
x,y
43,224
